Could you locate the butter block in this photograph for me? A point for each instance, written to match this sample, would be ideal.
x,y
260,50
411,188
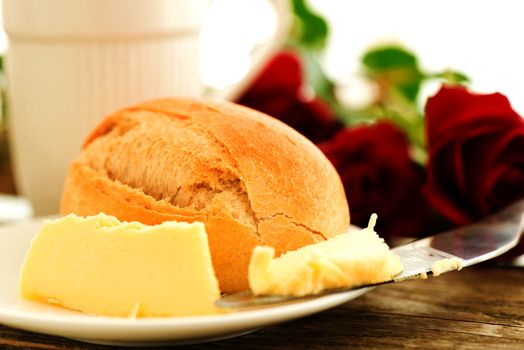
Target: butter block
x,y
102,266
347,260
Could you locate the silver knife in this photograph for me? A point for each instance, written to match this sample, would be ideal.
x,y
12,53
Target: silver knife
x,y
471,244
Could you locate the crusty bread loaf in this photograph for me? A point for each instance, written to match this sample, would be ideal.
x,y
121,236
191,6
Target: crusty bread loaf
x,y
250,178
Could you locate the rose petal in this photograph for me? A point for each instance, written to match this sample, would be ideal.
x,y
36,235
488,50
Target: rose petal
x,y
486,158
472,147
379,176
278,91
282,72
445,206
455,107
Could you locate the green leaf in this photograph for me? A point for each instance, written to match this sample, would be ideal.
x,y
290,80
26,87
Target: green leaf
x,y
394,68
311,30
387,58
452,77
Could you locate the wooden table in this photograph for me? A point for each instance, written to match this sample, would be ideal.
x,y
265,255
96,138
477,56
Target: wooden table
x,y
476,308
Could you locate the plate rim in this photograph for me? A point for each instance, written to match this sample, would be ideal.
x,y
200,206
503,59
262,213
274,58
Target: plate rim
x,y
73,325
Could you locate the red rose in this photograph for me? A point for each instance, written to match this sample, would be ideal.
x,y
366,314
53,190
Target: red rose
x,y
279,91
476,154
380,177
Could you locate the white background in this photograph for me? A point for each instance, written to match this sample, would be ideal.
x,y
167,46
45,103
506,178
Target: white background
x,y
482,38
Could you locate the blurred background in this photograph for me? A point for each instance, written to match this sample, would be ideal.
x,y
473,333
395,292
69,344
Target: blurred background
x,y
347,55
480,38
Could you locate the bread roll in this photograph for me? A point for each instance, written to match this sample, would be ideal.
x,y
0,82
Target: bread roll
x,y
250,178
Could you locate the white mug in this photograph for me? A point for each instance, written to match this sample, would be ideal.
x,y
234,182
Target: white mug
x,y
71,62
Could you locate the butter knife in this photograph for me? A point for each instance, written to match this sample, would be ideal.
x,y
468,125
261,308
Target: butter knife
x,y
470,245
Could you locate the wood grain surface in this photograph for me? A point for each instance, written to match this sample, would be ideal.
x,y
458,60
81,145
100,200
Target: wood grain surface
x,y
479,307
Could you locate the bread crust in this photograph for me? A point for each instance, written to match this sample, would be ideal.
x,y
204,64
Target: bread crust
x,y
250,178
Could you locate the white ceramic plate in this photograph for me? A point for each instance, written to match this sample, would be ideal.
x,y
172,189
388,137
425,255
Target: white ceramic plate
x,y
14,312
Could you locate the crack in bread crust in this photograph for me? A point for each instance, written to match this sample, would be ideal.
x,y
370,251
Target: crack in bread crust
x,y
292,222
220,191
223,192
251,179
238,186
249,211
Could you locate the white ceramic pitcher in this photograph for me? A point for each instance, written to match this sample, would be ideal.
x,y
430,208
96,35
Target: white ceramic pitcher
x,y
71,62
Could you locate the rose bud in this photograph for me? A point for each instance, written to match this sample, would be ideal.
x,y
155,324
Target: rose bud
x,y
476,154
279,91
379,176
